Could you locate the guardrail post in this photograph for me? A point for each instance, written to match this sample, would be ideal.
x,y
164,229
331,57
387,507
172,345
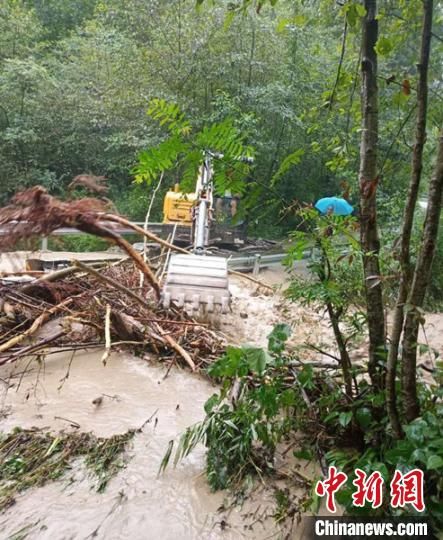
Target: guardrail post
x,y
256,269
44,246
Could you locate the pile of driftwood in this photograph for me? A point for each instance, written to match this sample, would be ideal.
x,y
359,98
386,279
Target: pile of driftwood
x,y
81,306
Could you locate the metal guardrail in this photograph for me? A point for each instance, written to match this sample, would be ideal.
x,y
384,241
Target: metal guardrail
x,y
245,263
154,227
258,261
254,262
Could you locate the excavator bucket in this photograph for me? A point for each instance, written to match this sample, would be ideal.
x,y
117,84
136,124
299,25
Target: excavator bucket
x,y
198,283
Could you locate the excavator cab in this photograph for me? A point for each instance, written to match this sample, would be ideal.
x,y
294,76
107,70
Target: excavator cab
x,y
228,228
225,227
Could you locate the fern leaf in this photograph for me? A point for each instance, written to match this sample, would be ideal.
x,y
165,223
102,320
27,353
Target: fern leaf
x,y
157,160
169,115
292,159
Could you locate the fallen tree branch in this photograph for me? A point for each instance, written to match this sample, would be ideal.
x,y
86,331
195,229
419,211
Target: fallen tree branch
x,y
250,278
127,327
107,335
320,365
107,300
321,351
123,221
22,273
32,348
103,232
34,212
178,348
181,323
53,276
35,326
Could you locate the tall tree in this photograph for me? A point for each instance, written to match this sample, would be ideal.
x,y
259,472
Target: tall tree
x,y
419,285
368,181
408,216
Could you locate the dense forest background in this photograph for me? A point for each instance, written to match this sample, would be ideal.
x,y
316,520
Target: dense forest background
x,y
77,77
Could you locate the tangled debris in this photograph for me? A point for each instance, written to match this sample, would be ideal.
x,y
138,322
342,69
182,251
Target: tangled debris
x,y
85,307
31,458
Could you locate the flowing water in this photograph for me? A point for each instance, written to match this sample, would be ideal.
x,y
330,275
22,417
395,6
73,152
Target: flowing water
x,y
137,503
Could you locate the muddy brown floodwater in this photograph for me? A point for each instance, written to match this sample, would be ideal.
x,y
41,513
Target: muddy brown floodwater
x,y
137,503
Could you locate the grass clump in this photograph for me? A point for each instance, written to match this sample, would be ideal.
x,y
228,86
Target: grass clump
x,y
31,458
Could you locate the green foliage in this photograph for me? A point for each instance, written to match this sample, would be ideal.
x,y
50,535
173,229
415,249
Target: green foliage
x,y
288,23
421,448
78,242
77,77
257,406
278,337
241,361
184,150
32,458
241,436
354,12
58,17
292,159
336,264
384,46
169,115
158,160
138,198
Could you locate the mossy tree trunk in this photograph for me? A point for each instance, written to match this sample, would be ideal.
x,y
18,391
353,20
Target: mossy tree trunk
x,y
368,181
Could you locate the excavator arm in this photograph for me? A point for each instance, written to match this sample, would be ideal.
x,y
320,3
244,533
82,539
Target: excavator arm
x,y
198,282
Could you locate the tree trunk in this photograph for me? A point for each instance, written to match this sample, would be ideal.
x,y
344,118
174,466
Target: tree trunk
x,y
345,360
324,275
408,218
368,180
251,54
420,282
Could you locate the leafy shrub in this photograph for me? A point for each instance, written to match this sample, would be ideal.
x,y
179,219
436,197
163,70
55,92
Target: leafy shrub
x,y
421,448
266,395
240,434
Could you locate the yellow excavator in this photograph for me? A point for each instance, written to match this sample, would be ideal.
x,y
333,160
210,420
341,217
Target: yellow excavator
x,y
177,207
225,229
199,281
